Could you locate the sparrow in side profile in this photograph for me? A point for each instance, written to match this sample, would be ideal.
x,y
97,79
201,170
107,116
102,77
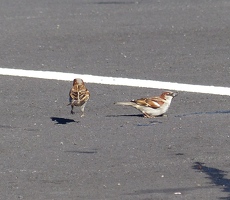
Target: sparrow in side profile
x,y
78,95
153,106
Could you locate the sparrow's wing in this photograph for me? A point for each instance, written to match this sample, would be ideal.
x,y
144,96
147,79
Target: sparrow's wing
x,y
73,94
148,102
84,95
157,100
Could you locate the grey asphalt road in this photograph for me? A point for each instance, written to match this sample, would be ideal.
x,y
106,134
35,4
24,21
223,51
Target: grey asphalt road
x,y
113,152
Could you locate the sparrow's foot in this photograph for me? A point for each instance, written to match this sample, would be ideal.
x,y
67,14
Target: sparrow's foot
x,y
82,115
72,112
148,116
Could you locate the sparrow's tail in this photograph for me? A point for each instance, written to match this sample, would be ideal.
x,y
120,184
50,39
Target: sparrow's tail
x,y
125,103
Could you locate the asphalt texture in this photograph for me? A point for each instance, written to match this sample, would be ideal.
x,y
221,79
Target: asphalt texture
x,y
113,152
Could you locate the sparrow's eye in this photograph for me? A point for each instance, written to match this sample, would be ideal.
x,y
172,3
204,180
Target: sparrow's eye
x,y
169,94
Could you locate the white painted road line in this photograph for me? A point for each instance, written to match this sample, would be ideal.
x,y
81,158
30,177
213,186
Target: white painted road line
x,y
117,81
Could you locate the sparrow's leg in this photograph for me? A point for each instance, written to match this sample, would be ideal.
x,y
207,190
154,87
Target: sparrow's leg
x,y
72,112
82,109
147,115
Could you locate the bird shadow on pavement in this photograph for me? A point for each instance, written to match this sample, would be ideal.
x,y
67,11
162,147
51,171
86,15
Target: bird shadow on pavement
x,y
137,115
216,176
150,123
59,120
205,113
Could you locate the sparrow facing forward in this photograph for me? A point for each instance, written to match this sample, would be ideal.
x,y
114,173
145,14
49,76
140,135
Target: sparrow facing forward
x,y
153,106
78,95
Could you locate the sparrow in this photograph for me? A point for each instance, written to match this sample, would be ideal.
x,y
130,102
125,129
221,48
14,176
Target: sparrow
x,y
153,106
78,95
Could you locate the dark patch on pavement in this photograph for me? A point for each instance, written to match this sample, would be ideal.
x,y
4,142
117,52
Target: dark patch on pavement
x,y
6,126
83,152
62,120
150,123
205,113
216,176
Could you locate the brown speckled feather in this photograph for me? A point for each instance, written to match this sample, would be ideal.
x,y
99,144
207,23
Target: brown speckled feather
x,y
154,102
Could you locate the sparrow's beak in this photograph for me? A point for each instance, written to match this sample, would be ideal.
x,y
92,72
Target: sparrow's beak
x,y
174,94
